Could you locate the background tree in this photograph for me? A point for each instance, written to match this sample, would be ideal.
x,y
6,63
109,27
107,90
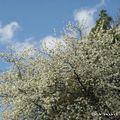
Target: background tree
x,y
104,20
78,80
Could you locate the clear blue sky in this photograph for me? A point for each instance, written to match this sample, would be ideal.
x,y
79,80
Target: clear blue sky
x,y
37,18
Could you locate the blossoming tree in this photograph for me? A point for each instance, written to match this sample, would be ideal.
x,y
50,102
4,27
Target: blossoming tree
x,y
78,80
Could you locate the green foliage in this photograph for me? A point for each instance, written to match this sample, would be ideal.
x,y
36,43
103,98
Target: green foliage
x,y
104,19
74,81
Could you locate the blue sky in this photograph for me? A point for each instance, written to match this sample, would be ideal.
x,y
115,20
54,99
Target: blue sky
x,y
23,22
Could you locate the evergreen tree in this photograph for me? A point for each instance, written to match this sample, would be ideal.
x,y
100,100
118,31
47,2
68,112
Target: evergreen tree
x,y
104,20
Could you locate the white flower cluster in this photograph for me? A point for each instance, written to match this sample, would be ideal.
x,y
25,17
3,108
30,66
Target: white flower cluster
x,y
68,84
